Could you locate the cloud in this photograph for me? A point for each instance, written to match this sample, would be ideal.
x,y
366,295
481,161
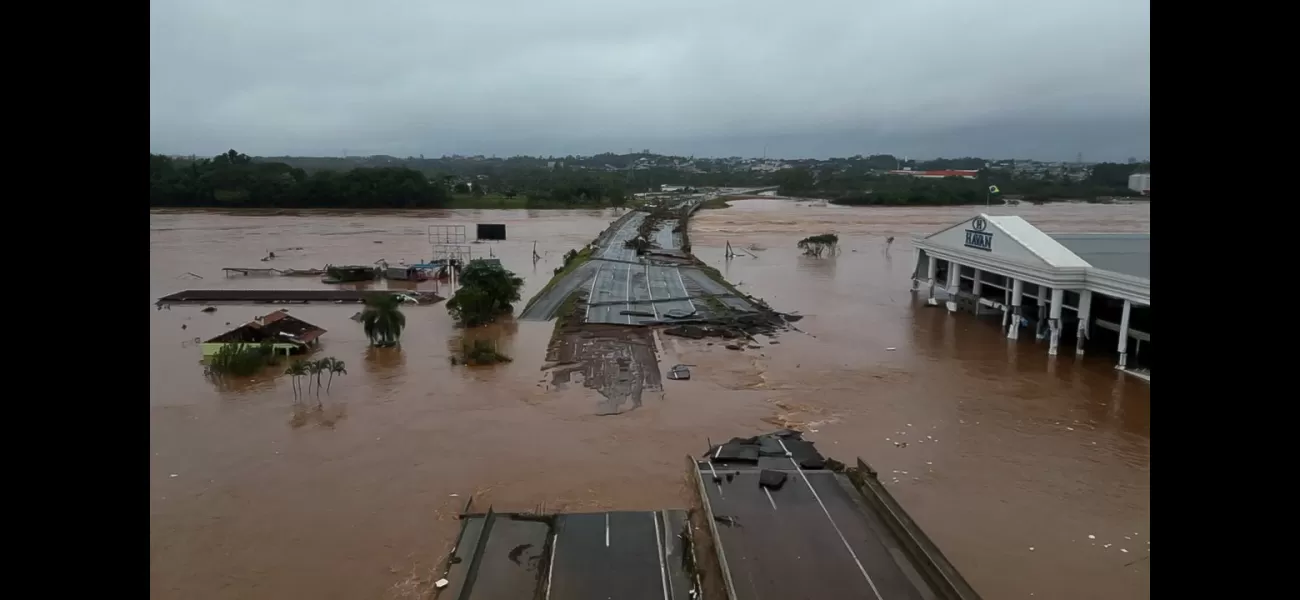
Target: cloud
x,y
521,76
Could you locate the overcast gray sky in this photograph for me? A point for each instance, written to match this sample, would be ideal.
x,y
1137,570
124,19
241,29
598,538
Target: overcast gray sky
x,y
814,78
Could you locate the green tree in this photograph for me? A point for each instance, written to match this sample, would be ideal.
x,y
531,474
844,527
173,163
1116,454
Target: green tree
x,y
296,369
313,374
816,245
487,291
318,368
236,180
336,367
793,181
382,319
1112,175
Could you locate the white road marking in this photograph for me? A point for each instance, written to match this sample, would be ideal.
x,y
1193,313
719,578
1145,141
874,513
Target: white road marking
x,y
627,291
716,480
649,288
606,530
683,284
659,543
591,294
550,570
769,497
861,568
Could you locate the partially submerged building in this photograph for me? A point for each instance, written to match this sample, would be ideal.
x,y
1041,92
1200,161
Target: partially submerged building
x,y
285,333
1089,286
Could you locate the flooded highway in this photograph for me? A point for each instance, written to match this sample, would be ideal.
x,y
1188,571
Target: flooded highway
x,y
1031,474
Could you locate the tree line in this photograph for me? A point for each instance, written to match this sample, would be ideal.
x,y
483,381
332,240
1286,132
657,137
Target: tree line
x,y
234,180
874,188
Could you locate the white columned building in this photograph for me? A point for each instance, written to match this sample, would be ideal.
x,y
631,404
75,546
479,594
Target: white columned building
x,y
1087,280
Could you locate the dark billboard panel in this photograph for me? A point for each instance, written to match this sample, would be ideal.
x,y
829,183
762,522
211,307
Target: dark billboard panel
x,y
491,232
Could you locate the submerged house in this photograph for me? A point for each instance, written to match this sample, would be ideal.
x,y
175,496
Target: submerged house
x,y
286,334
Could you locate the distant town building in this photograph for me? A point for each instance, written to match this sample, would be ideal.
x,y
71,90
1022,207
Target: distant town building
x,y
1140,182
963,173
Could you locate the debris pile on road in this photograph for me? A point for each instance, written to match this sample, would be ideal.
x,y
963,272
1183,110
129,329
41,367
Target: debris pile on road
x,y
732,326
780,444
637,276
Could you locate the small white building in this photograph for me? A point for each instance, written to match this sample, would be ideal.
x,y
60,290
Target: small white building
x,y
1059,284
1140,182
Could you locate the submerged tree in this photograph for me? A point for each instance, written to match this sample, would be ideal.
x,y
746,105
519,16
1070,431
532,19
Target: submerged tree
x,y
817,245
296,369
240,360
383,320
315,368
478,352
487,291
335,367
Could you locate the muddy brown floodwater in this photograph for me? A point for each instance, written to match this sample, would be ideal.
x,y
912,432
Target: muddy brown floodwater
x,y
1031,474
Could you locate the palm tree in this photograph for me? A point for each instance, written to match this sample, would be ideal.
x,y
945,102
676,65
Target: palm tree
x,y
313,372
296,369
336,366
383,319
322,366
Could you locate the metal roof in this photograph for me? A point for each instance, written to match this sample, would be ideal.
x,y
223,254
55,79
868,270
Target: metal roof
x,y
1043,246
1125,253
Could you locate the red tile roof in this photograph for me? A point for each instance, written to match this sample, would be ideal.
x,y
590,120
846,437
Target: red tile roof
x,y
275,316
278,325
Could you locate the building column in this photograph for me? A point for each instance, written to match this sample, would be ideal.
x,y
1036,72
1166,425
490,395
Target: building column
x,y
1006,304
1123,336
1085,315
976,288
1017,294
1040,329
954,285
916,268
1054,320
932,272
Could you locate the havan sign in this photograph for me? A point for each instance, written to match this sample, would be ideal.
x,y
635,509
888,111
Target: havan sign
x,y
977,237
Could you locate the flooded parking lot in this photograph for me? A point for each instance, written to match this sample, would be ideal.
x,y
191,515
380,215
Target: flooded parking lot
x,y
1013,460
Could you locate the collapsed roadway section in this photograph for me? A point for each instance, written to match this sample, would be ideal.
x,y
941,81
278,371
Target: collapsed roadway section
x,y
788,523
784,522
